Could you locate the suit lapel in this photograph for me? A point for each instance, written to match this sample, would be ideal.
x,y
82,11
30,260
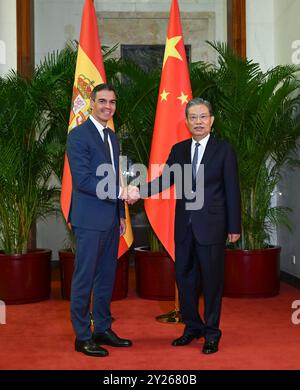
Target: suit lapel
x,y
208,153
95,133
187,152
115,151
99,141
209,150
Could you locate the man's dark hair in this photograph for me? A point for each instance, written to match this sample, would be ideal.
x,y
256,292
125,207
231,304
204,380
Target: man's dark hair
x,y
102,87
196,102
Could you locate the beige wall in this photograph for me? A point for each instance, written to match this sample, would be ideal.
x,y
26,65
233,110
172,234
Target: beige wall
x,y
151,28
273,32
8,36
129,21
260,32
287,31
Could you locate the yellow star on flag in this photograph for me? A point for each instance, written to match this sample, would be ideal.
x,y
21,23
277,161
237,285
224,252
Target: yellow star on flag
x,y
164,95
183,98
170,50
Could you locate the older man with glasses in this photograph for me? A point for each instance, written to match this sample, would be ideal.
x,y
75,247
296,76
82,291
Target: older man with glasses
x,y
200,234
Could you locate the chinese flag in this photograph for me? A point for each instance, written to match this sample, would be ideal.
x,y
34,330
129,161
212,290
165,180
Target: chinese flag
x,y
89,73
169,128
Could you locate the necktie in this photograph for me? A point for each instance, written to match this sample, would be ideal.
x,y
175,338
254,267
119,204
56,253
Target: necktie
x,y
194,166
106,144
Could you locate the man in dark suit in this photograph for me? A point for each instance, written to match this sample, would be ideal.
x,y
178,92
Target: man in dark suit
x,y
98,219
201,233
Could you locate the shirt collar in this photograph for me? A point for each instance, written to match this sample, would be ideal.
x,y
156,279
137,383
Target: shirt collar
x,y
203,142
98,125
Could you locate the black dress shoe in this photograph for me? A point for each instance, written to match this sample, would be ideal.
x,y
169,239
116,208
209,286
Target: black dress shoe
x,y
185,339
210,346
109,337
90,348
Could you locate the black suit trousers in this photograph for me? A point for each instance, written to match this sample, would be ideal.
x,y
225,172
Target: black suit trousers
x,y
200,265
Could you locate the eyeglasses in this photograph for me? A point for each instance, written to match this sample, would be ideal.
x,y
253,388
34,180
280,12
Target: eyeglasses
x,y
203,117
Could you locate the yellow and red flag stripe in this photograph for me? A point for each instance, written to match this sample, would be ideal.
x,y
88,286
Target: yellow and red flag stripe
x,y
89,73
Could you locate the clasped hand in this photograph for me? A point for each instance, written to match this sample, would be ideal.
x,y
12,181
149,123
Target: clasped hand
x,y
130,194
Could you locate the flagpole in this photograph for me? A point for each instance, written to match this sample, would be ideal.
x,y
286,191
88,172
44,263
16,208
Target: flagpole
x,y
169,128
172,316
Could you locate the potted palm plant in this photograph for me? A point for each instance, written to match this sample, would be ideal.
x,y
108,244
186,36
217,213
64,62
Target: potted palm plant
x,y
258,112
27,151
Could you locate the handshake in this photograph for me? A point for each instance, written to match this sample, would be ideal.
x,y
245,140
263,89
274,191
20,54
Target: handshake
x,y
130,194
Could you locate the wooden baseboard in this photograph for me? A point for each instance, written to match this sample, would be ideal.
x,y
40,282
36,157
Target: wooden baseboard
x,y
290,279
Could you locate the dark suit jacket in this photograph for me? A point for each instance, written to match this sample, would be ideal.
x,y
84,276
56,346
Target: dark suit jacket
x,y
221,211
86,152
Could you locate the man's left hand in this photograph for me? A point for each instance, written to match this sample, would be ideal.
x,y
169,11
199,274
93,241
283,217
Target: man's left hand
x,y
122,227
232,237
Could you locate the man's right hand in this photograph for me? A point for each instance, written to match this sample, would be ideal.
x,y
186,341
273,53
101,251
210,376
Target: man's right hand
x,y
232,237
130,194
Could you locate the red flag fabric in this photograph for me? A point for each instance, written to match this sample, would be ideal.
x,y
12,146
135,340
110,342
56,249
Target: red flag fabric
x,y
169,128
89,73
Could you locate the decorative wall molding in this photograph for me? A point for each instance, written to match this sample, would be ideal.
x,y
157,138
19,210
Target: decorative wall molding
x,y
138,28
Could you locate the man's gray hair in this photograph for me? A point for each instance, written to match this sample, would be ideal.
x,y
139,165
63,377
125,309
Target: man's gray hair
x,y
196,102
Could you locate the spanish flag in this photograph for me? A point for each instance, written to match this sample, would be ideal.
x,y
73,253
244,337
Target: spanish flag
x,y
89,73
169,127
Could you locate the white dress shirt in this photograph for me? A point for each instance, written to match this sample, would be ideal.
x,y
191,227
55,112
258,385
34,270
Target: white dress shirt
x,y
201,149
